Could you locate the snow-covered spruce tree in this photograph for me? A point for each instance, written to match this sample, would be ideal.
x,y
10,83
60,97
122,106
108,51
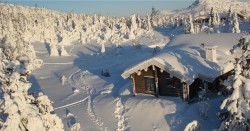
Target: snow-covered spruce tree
x,y
131,35
237,104
116,39
139,23
191,25
236,26
149,24
185,25
53,50
53,47
189,28
177,22
63,52
217,19
228,21
203,105
212,17
103,50
209,22
19,110
153,16
133,22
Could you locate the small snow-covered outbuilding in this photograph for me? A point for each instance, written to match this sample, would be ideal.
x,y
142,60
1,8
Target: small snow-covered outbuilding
x,y
183,67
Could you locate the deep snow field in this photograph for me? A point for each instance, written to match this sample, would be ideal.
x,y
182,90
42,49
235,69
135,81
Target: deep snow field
x,y
81,94
107,103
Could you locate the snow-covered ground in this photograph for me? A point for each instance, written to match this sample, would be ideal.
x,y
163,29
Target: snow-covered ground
x,y
106,103
81,94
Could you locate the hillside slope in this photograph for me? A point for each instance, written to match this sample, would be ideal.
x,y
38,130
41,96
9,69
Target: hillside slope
x,y
204,6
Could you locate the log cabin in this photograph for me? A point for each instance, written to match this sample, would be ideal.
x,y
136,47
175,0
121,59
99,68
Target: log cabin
x,y
223,16
201,19
178,71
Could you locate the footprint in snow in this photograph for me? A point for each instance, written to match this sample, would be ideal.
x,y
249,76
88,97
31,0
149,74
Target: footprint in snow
x,y
71,121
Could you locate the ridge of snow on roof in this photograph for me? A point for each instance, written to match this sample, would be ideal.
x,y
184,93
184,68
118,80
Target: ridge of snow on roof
x,y
153,61
184,58
181,63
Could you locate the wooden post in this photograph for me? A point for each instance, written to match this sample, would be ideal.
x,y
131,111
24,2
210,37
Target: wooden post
x,y
156,81
134,90
185,91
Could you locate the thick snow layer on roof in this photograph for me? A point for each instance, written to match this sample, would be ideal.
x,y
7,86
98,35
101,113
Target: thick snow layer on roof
x,y
224,41
184,57
181,63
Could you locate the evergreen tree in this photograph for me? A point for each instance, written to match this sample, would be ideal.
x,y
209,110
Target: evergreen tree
x,y
149,24
63,52
228,20
236,26
237,104
19,109
153,14
212,17
103,48
191,25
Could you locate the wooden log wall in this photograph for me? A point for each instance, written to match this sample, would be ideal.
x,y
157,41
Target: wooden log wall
x,y
139,80
169,89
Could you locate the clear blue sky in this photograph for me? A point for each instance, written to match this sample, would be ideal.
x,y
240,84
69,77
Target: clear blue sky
x,y
107,7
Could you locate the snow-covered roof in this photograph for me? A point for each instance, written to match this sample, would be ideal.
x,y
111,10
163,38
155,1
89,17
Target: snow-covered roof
x,y
184,58
184,64
210,46
201,17
155,62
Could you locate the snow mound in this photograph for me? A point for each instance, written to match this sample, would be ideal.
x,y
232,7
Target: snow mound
x,y
193,126
126,91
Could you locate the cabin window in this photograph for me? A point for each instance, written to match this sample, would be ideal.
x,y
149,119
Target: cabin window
x,y
170,81
149,84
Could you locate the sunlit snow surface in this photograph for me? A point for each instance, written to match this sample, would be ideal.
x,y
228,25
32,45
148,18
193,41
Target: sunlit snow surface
x,y
106,103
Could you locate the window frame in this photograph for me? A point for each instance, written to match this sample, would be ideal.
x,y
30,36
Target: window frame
x,y
150,80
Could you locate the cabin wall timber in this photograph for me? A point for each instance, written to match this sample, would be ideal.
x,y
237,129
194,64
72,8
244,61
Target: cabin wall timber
x,y
175,88
167,85
163,87
138,80
149,79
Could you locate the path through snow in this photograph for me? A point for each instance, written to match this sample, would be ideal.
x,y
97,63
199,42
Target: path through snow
x,y
78,81
93,117
65,63
72,104
122,120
